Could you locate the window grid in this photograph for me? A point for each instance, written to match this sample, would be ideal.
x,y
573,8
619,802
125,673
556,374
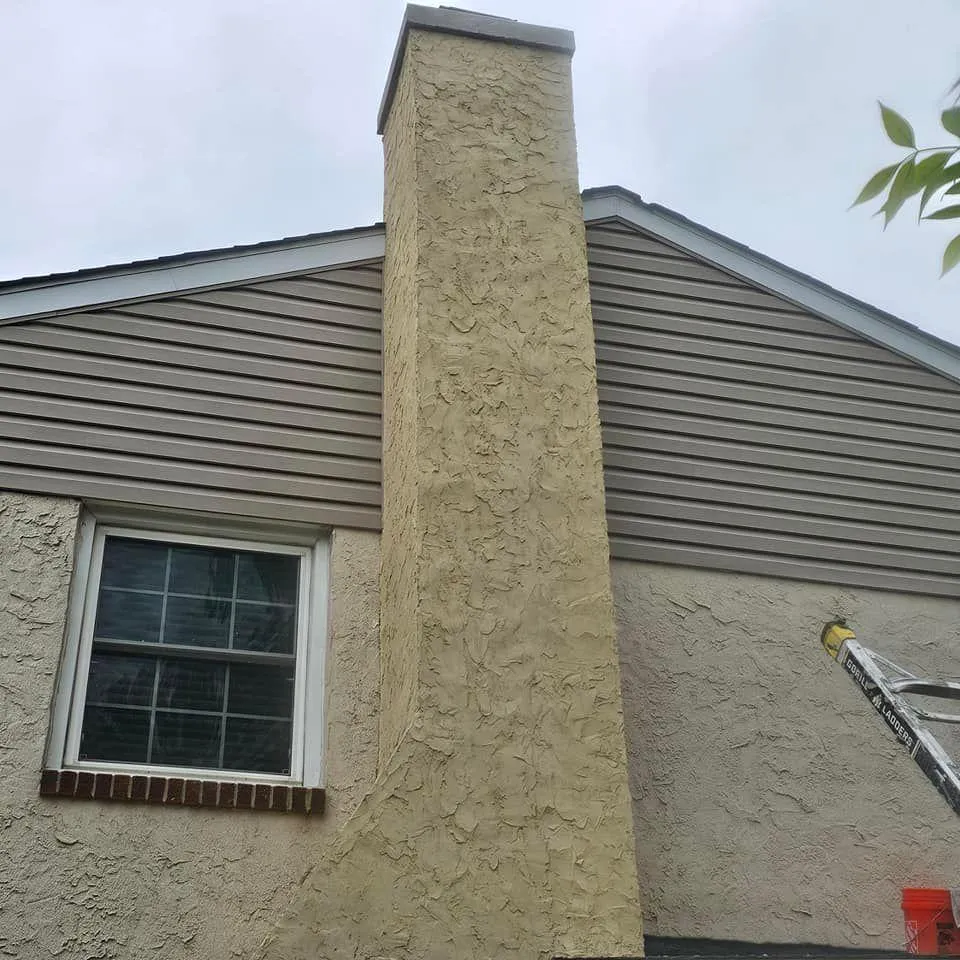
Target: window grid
x,y
199,596
156,665
225,656
226,669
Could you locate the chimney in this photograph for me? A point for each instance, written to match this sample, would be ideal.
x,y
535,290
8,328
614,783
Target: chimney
x,y
500,823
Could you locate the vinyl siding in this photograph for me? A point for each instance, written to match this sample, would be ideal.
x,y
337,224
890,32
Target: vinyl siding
x,y
742,434
259,400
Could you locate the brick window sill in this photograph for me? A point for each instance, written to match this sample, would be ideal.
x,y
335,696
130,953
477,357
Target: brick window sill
x,y
180,792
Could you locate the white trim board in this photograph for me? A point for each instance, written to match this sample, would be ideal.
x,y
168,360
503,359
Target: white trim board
x,y
68,292
873,324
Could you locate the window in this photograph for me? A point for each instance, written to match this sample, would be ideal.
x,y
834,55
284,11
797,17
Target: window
x,y
194,655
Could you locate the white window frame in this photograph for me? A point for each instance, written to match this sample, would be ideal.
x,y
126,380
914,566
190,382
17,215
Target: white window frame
x,y
307,739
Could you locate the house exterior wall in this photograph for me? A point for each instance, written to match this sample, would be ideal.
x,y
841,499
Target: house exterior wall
x,y
258,400
83,879
742,433
739,431
771,803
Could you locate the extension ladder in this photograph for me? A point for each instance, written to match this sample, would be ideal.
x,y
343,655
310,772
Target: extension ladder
x,y
887,686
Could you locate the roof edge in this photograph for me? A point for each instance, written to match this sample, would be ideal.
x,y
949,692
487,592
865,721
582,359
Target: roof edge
x,y
466,23
872,323
105,286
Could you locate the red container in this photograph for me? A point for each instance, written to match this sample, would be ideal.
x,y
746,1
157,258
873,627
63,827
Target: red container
x,y
928,917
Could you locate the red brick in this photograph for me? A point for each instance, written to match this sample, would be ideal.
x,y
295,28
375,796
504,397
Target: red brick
x,y
138,788
261,797
121,787
49,781
68,783
318,800
228,795
299,796
102,786
281,796
191,793
174,790
208,793
244,796
85,781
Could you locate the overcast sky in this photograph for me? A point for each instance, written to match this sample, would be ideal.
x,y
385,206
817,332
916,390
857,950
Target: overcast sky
x,y
134,130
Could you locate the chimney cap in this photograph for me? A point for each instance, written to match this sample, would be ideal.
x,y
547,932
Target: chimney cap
x,y
467,24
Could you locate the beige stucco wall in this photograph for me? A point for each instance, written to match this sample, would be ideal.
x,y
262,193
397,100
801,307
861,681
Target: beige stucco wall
x,y
771,803
83,879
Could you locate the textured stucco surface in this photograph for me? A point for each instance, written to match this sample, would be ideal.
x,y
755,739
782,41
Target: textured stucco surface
x,y
81,879
772,802
500,825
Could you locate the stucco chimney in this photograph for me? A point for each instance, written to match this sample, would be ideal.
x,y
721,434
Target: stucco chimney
x,y
500,823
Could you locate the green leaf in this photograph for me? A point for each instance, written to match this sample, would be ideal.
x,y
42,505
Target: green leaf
x,y
901,190
951,120
929,172
876,184
898,130
945,213
953,190
951,256
928,168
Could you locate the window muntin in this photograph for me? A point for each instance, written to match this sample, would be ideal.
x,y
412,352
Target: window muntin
x,y
193,657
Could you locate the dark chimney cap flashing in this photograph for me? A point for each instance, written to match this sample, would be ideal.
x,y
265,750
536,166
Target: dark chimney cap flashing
x,y
467,24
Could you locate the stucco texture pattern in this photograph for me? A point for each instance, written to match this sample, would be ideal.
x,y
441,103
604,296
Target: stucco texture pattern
x,y
81,879
500,823
775,805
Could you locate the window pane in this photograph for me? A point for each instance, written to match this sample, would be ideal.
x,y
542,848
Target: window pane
x,y
116,735
197,622
259,746
266,691
191,685
134,564
122,680
264,628
186,740
128,616
202,571
268,577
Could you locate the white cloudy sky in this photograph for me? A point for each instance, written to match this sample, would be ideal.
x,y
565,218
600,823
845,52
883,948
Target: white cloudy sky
x,y
133,130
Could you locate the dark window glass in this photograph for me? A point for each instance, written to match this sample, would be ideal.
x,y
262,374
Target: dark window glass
x,y
268,629
121,680
134,564
129,616
264,691
186,740
177,711
119,736
257,746
202,571
191,685
267,577
197,622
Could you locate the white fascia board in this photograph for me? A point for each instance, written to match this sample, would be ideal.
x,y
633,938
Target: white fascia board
x,y
900,337
132,283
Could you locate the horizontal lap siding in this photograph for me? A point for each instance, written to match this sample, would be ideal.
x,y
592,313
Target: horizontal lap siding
x,y
261,400
743,434
739,432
